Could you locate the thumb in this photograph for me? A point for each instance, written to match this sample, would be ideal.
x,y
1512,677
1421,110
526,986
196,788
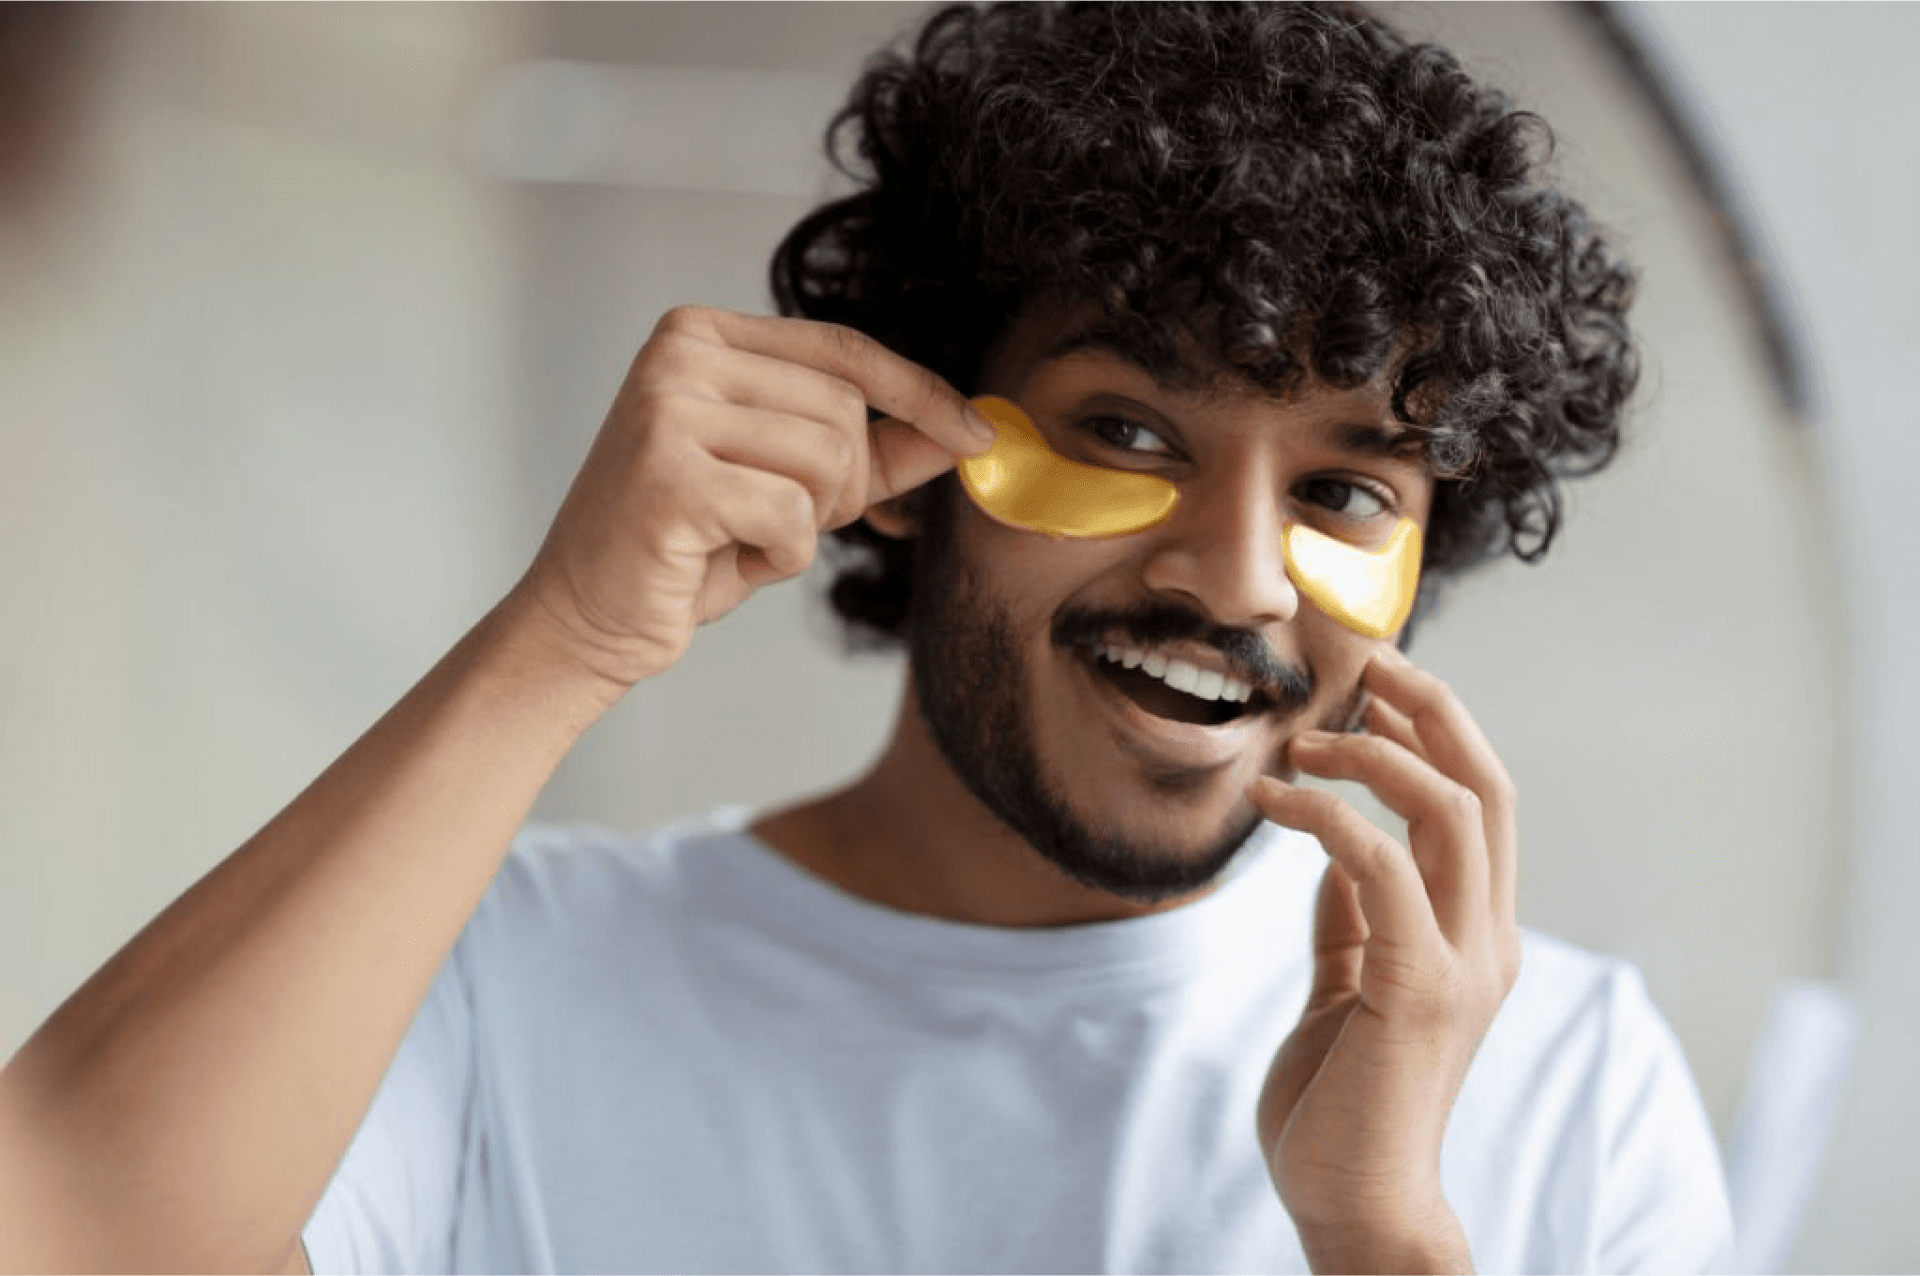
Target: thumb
x,y
901,458
1340,934
1339,937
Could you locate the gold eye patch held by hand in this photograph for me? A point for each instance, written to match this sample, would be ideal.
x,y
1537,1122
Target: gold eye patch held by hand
x,y
1027,485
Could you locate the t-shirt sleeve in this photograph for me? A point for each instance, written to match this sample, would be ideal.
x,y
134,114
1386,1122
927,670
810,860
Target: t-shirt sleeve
x,y
1663,1199
392,1202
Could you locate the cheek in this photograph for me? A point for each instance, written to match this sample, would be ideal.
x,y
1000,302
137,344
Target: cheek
x,y
1032,576
1337,656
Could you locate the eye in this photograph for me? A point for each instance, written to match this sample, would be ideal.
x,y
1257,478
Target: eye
x,y
1126,436
1349,500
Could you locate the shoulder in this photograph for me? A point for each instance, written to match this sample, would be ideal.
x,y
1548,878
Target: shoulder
x,y
1573,996
573,864
1582,1068
1558,978
573,888
1585,1016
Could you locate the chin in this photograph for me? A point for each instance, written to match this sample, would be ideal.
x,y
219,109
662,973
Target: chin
x,y
1148,849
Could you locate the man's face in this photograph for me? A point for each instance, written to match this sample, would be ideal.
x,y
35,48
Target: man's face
x,y
1122,781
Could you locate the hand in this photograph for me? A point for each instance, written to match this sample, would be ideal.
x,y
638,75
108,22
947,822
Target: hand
x,y
734,442
1415,948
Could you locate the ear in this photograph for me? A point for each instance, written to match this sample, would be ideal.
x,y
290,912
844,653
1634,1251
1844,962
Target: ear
x,y
897,519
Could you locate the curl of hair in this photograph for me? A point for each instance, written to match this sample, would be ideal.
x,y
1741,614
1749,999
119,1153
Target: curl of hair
x,y
1295,185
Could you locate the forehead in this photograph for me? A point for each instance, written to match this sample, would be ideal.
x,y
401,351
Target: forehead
x,y
1053,329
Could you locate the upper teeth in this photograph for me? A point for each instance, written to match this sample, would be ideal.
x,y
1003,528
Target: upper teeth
x,y
1207,684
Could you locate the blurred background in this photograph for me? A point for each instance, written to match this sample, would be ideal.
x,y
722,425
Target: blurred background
x,y
308,313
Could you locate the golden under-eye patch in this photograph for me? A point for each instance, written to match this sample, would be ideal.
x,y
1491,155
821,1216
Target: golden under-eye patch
x,y
1370,592
1026,484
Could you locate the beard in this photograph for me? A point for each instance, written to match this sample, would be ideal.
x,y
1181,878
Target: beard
x,y
970,681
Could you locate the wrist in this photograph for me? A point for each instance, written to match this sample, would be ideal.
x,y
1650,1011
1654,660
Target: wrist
x,y
529,644
1430,1241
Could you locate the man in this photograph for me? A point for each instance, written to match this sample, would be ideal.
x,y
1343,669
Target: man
x,y
1073,978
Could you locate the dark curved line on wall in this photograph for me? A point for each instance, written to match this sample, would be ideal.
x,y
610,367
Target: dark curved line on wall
x,y
1774,318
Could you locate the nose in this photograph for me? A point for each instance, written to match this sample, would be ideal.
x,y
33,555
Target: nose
x,y
1223,551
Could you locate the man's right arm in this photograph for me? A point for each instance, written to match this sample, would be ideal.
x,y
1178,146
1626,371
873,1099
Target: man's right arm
x,y
186,1108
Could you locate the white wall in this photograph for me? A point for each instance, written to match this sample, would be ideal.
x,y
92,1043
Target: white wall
x,y
1813,105
254,414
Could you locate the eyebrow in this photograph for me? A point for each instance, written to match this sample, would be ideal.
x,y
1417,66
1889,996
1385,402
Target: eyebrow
x,y
1361,438
1107,338
1366,439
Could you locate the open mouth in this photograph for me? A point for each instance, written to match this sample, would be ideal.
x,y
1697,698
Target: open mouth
x,y
1175,690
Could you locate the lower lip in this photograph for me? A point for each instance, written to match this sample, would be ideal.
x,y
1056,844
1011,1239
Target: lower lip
x,y
1165,741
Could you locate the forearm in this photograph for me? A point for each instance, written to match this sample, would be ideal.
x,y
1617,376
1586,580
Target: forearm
x,y
186,1107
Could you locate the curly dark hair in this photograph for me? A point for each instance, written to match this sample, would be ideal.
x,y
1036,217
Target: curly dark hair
x,y
1294,186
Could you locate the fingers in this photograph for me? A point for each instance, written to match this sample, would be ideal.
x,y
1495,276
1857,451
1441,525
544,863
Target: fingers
x,y
757,381
846,471
1453,743
896,386
733,441
901,458
1427,760
1387,884
760,381
771,515
1446,731
1389,723
829,374
1444,819
830,462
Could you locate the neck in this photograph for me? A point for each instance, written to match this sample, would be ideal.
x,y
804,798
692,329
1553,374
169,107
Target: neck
x,y
909,835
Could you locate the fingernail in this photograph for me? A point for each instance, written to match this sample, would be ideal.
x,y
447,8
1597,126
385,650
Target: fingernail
x,y
982,428
1392,655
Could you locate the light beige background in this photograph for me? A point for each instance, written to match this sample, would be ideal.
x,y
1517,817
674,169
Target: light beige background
x,y
341,294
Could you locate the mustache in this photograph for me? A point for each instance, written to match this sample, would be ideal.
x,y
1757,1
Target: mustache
x,y
1250,656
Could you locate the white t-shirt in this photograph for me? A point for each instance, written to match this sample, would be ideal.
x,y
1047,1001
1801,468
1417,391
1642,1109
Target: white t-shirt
x,y
683,1053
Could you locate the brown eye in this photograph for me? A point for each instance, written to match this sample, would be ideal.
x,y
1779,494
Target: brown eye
x,y
1349,500
1127,436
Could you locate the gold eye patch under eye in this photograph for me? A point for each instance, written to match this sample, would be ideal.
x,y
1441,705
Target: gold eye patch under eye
x,y
1370,592
1026,484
